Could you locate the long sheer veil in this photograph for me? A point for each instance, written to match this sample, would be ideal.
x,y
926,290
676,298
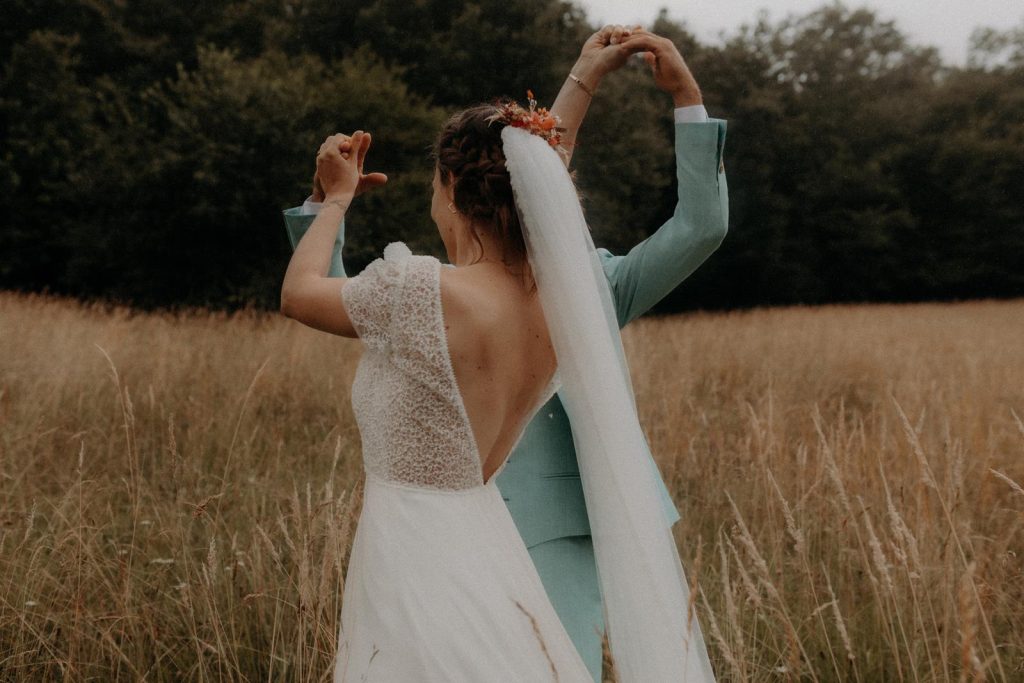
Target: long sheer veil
x,y
643,587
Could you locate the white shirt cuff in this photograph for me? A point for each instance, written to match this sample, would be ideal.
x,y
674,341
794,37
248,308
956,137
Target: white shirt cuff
x,y
693,113
310,207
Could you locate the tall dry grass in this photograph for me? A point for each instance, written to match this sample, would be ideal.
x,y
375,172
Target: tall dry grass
x,y
178,493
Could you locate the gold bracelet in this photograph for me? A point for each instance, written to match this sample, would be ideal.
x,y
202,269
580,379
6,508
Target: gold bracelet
x,y
582,85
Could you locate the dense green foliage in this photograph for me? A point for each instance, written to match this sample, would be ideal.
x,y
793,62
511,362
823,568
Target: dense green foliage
x,y
149,148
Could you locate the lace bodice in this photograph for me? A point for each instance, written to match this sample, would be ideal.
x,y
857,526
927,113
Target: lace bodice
x,y
413,423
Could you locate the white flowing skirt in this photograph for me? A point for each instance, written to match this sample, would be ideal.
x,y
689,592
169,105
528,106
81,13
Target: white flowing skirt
x,y
440,587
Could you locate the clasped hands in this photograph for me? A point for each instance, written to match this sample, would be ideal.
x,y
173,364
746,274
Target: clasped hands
x,y
339,162
608,49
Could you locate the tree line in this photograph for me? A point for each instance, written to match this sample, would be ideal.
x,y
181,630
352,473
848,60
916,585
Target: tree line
x,y
149,147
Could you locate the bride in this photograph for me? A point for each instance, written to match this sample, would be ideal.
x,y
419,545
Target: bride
x,y
457,361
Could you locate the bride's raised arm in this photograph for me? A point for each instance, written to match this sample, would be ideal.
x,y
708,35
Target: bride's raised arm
x,y
600,55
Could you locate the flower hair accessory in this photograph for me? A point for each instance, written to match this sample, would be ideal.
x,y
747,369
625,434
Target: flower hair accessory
x,y
537,121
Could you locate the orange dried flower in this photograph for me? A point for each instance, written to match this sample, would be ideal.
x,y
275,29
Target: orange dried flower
x,y
540,122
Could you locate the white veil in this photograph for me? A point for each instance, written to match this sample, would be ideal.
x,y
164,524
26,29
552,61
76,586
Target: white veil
x,y
643,587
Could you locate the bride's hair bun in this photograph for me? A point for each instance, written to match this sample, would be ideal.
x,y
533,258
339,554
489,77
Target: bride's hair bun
x,y
468,154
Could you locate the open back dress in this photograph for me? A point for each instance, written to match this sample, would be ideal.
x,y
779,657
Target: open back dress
x,y
440,585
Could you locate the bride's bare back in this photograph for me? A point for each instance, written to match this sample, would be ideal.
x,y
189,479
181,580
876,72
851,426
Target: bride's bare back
x,y
500,351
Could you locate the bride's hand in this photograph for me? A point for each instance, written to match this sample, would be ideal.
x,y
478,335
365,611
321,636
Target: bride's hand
x,y
365,182
600,50
338,170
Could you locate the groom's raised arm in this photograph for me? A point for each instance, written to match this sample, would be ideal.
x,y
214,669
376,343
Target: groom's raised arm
x,y
656,266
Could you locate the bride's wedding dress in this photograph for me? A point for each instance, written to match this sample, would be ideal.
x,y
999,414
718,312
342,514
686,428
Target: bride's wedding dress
x,y
440,585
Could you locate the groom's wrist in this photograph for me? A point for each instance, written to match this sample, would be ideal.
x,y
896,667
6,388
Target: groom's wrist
x,y
687,97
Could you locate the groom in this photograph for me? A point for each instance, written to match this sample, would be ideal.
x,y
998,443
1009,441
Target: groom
x,y
541,481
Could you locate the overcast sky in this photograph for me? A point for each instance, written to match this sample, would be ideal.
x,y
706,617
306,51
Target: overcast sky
x,y
945,24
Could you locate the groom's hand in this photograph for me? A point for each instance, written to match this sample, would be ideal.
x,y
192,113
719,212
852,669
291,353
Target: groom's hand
x,y
365,181
670,71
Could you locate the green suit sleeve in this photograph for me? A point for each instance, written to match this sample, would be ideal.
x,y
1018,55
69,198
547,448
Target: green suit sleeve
x,y
657,265
297,223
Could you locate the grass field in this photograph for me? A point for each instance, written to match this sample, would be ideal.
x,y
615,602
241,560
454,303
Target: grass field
x,y
178,492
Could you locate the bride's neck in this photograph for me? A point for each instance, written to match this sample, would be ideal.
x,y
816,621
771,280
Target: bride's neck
x,y
467,251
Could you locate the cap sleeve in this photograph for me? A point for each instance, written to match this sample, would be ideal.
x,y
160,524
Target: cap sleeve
x,y
370,298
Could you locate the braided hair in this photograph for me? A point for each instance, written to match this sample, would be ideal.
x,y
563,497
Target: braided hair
x,y
469,149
